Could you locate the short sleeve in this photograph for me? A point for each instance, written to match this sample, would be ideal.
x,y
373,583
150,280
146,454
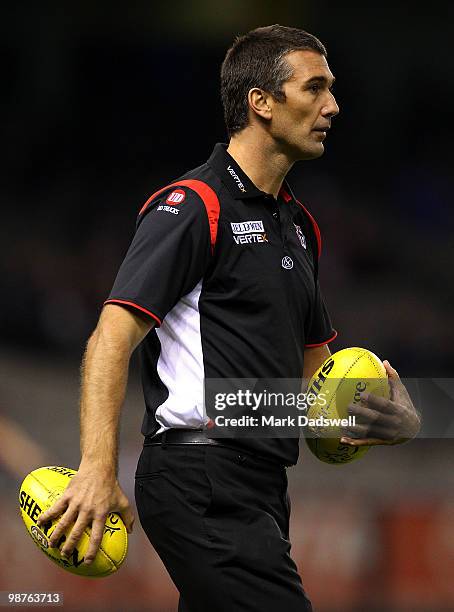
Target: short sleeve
x,y
168,255
320,331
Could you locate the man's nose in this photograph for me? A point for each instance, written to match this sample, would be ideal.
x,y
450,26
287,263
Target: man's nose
x,y
331,108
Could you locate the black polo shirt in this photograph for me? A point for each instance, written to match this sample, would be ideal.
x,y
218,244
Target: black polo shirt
x,y
229,275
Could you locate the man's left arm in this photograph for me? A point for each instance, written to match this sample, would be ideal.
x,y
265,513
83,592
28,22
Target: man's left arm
x,y
378,420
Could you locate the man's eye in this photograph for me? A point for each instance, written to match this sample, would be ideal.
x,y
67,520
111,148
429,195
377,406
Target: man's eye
x,y
314,88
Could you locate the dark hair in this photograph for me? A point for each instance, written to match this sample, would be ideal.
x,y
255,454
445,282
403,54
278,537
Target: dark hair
x,y
257,59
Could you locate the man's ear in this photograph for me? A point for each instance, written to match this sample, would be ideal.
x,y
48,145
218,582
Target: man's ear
x,y
259,102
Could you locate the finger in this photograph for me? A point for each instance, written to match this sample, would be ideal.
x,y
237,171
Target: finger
x,y
366,415
370,417
387,432
392,373
393,377
381,404
67,519
74,536
396,386
126,513
58,508
128,518
97,531
352,441
364,441
386,429
357,431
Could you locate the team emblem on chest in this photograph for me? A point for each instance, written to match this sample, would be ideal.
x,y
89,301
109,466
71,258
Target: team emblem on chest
x,y
301,236
246,232
287,262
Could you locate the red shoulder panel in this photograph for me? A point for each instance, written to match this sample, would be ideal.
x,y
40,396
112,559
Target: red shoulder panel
x,y
209,197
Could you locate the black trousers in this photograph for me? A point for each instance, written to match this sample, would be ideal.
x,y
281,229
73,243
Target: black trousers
x,y
219,521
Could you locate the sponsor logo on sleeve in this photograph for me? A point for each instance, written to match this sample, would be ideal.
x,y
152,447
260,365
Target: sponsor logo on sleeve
x,y
247,232
176,197
169,209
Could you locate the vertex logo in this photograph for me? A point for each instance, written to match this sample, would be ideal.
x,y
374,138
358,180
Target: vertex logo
x,y
246,232
239,184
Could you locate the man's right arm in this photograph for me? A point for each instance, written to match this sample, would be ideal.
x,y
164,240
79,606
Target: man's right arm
x,y
166,259
94,491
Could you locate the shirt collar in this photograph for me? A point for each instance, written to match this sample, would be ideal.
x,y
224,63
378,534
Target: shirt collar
x,y
230,173
236,180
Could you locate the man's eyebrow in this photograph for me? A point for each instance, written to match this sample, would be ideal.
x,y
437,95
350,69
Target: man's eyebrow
x,y
319,79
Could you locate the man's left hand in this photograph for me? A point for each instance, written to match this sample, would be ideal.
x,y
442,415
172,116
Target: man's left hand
x,y
383,421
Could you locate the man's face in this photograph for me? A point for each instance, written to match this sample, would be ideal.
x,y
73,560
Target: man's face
x,y
299,123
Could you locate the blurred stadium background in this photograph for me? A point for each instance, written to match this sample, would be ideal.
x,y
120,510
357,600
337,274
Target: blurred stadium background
x,y
102,104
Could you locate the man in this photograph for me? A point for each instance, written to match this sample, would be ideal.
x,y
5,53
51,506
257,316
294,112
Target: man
x,y
221,281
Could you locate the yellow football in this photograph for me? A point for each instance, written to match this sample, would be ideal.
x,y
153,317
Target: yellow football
x,y
38,492
337,384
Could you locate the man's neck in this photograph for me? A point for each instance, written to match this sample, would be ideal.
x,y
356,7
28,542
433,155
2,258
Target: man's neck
x,y
260,160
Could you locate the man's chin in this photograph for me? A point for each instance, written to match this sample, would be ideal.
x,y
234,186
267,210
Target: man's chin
x,y
313,152
298,151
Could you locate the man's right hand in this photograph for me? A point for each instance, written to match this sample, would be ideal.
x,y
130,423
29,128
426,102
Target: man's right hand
x,y
94,491
86,502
